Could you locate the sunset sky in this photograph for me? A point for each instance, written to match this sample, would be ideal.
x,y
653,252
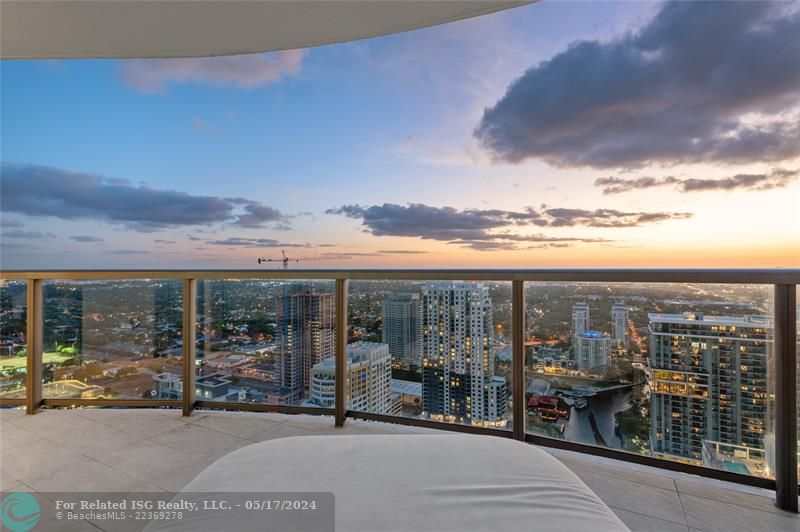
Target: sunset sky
x,y
559,134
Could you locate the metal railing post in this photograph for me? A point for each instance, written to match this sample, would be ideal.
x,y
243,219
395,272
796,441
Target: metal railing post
x,y
189,344
786,397
341,351
34,332
518,359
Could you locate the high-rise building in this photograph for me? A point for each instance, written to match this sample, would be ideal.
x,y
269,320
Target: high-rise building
x,y
591,349
305,335
458,383
709,384
369,375
580,319
619,324
402,326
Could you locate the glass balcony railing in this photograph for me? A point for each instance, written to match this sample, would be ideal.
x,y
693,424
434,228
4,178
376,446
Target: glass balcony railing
x,y
641,368
684,370
266,342
13,333
431,350
112,339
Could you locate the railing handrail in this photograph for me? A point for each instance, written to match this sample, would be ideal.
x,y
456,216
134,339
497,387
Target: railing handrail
x,y
722,276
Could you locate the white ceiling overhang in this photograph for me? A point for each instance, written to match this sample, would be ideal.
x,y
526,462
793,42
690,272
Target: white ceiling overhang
x,y
42,29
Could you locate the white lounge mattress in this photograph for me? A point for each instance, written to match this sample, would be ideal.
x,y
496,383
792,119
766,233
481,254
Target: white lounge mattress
x,y
412,483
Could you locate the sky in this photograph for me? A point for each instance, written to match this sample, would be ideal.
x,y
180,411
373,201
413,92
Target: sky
x,y
558,134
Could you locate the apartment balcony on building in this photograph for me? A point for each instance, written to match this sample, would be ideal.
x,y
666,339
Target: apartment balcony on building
x,y
399,265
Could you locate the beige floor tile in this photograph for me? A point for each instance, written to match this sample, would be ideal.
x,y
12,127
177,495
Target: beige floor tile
x,y
145,424
621,472
22,487
175,481
715,516
635,496
38,459
86,475
282,430
7,482
11,414
98,414
12,435
51,423
268,416
374,427
217,453
241,425
312,422
741,495
642,523
194,439
95,440
149,460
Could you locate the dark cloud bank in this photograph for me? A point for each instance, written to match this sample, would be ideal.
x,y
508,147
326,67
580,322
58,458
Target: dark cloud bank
x,y
478,228
86,238
44,191
777,178
676,91
255,243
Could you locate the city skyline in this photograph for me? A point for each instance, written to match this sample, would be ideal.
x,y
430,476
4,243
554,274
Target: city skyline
x,y
399,151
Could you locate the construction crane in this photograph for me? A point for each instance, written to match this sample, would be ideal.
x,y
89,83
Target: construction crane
x,y
286,260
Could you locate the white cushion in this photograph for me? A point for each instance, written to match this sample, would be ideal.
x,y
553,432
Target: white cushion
x,y
413,483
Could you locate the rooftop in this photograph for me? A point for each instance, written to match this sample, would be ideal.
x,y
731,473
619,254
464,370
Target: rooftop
x,y
699,317
149,450
593,334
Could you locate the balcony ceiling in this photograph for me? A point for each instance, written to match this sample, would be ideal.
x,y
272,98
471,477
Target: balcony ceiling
x,y
196,28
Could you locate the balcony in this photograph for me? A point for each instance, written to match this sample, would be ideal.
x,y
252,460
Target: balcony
x,y
671,393
98,343
115,450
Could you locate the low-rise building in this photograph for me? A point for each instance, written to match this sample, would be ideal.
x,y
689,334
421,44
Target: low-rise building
x,y
369,375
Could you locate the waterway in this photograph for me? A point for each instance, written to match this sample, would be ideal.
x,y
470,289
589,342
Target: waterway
x,y
579,426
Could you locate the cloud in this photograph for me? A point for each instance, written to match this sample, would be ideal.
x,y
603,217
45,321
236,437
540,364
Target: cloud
x,y
701,82
777,178
380,253
128,252
416,219
402,252
477,228
161,241
348,255
243,71
30,235
607,218
44,191
86,238
257,214
11,223
256,243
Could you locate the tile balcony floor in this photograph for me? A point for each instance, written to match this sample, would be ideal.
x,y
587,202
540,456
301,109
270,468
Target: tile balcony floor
x,y
152,450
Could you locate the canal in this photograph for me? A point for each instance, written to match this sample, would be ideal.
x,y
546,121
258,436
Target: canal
x,y
579,426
